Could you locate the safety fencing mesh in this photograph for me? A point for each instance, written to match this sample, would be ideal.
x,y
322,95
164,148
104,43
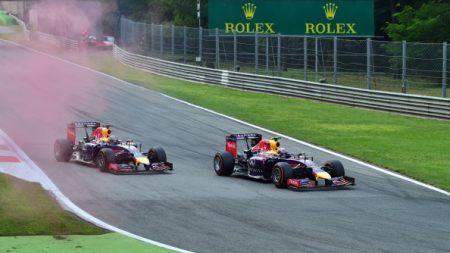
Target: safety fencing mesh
x,y
414,68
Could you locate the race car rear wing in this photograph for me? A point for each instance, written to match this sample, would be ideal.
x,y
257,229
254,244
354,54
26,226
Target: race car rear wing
x,y
82,124
71,133
244,136
231,140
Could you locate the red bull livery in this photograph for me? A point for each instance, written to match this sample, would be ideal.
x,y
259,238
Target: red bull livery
x,y
265,159
101,149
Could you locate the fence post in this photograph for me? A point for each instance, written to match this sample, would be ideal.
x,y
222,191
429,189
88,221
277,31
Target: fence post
x,y
369,74
200,43
267,55
279,55
217,49
305,57
173,40
234,51
184,44
316,65
161,42
152,37
334,60
444,70
256,53
404,79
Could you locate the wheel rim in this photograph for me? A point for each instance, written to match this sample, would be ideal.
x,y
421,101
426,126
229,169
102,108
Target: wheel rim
x,y
101,161
216,164
276,175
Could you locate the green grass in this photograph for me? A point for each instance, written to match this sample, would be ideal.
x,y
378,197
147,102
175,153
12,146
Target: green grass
x,y
110,243
416,147
27,209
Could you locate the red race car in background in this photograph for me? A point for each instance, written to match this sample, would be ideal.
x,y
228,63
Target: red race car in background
x,y
99,148
102,42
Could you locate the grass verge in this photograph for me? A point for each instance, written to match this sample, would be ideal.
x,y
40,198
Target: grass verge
x,y
27,209
111,243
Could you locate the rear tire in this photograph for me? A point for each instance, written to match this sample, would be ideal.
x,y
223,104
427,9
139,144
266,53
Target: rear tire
x,y
104,158
62,150
223,164
281,172
335,168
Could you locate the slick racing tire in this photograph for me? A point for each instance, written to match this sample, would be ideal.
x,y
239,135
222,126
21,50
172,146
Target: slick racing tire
x,y
104,158
156,155
281,173
62,150
334,168
223,164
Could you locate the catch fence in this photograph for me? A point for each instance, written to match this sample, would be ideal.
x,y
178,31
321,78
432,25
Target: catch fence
x,y
405,67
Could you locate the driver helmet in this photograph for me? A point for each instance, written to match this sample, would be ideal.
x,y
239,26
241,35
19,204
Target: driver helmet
x,y
105,135
273,146
101,134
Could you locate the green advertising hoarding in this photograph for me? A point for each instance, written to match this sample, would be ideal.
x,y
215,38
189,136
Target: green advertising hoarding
x,y
293,17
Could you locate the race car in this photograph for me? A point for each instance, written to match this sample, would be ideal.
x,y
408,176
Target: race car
x,y
264,159
103,42
99,148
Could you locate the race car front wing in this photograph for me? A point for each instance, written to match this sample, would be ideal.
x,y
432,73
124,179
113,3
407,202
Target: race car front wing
x,y
306,183
127,169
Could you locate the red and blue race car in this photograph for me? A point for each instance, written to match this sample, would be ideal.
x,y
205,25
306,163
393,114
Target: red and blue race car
x,y
99,148
264,159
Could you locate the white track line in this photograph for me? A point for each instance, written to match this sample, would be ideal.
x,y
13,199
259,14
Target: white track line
x,y
260,128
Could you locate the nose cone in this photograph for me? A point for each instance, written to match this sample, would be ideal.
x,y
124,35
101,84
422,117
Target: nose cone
x,y
322,175
142,160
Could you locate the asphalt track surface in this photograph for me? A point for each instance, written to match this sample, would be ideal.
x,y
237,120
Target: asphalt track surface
x,y
192,208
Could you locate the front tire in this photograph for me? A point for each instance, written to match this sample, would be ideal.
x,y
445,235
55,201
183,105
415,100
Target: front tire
x,y
223,164
104,158
334,168
157,155
281,172
62,150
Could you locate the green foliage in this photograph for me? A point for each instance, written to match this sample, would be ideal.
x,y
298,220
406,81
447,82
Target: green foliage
x,y
177,12
427,23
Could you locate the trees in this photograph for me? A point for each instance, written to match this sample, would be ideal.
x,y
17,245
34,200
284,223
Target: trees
x,y
178,12
426,23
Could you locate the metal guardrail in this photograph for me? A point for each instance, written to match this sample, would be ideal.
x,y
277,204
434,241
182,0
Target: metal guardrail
x,y
55,40
48,38
386,101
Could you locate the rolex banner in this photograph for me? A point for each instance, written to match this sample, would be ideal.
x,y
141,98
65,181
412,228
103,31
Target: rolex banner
x,y
349,18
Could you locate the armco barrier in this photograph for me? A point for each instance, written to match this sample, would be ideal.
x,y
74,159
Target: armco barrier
x,y
57,41
54,40
386,101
